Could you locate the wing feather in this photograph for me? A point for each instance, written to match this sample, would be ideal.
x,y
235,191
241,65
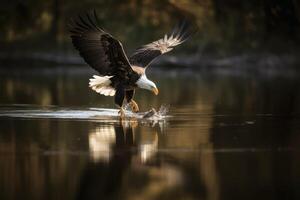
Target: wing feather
x,y
144,55
98,48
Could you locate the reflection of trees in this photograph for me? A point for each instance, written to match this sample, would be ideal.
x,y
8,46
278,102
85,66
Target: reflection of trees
x,y
48,89
269,105
24,92
34,159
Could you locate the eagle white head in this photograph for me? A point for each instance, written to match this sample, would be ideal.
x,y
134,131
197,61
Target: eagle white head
x,y
145,83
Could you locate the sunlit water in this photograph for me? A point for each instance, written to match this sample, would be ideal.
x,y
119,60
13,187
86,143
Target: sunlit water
x,y
224,137
96,114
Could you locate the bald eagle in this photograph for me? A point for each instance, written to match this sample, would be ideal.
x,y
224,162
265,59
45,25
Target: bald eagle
x,y
119,76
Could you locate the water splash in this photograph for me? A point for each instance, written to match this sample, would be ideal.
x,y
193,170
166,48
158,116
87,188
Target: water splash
x,y
28,111
163,110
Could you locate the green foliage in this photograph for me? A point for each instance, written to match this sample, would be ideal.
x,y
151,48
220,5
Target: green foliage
x,y
224,26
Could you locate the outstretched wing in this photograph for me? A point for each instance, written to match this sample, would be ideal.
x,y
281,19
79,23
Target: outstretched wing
x,y
98,48
144,55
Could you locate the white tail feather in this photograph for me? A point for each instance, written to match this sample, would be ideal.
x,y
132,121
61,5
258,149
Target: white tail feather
x,y
101,84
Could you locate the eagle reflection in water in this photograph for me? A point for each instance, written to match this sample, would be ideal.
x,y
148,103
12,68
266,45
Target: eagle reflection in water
x,y
125,164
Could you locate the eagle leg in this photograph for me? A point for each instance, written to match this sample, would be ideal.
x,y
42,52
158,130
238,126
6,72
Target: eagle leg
x,y
129,97
119,99
134,106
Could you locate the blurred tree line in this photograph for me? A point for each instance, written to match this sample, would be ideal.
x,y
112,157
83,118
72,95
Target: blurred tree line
x,y
223,25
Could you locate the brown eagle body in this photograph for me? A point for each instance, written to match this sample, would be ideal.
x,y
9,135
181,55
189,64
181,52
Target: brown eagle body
x,y
119,76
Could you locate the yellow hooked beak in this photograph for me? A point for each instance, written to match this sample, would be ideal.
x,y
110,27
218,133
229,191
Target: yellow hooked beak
x,y
155,91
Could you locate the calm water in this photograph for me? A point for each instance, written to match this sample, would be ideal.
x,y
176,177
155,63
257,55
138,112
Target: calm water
x,y
225,137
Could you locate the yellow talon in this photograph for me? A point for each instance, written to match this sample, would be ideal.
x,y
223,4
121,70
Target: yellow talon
x,y
134,106
122,113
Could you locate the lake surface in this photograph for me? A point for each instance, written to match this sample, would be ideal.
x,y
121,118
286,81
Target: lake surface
x,y
225,136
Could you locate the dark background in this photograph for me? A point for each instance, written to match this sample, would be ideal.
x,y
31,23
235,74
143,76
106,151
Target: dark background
x,y
230,27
